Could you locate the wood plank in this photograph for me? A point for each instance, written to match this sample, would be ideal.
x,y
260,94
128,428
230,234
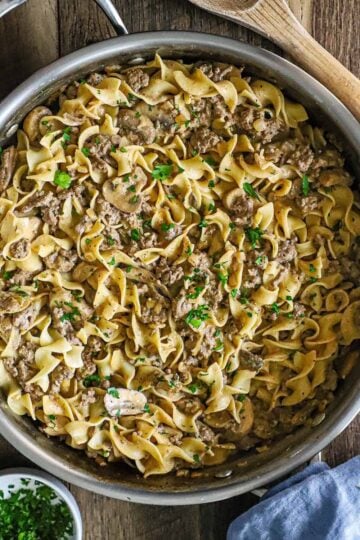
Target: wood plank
x,y
28,41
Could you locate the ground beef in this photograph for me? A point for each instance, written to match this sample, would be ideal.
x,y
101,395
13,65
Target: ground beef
x,y
215,72
111,239
88,397
308,204
22,368
154,306
138,129
287,250
201,112
180,306
299,310
25,318
241,210
107,213
38,200
163,115
254,123
63,260
137,78
19,277
94,79
68,318
208,342
249,360
252,276
291,152
50,213
327,159
206,434
60,374
20,249
100,147
203,140
221,110
9,302
166,273
7,166
94,348
84,225
283,272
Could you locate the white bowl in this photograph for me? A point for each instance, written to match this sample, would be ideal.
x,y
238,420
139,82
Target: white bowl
x,y
13,477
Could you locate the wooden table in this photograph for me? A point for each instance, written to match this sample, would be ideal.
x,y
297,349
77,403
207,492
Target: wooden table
x,y
43,30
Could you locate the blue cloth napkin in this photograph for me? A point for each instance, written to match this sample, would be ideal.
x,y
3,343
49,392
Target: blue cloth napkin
x,y
318,503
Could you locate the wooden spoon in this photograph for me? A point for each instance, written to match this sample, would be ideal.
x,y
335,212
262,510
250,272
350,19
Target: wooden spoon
x,y
274,20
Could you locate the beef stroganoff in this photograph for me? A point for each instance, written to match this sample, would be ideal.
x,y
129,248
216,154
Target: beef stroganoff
x,y
179,266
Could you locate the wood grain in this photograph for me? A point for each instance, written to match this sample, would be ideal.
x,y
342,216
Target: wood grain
x,y
38,33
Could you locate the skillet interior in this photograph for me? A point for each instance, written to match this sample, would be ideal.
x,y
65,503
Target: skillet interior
x,y
255,469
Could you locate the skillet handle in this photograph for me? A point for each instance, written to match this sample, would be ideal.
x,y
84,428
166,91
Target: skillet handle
x,y
8,5
112,14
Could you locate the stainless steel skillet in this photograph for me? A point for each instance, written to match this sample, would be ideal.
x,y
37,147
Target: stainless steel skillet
x,y
241,474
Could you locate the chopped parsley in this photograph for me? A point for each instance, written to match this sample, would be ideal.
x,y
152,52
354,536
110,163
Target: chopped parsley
x,y
162,171
62,179
113,392
219,345
196,458
18,290
259,260
249,190
147,408
241,397
112,261
192,387
305,185
275,308
134,199
211,184
123,149
7,275
289,298
30,513
91,380
66,135
195,317
194,295
110,240
210,161
254,236
167,226
211,207
86,151
233,293
311,268
135,235
70,315
313,280
188,251
202,224
223,277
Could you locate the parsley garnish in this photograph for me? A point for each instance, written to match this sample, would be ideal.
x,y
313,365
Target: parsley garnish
x,y
305,186
223,277
249,190
188,251
70,316
196,316
233,293
196,458
62,179
194,295
135,235
211,184
275,308
202,224
192,388
86,151
112,261
7,275
311,268
134,199
123,149
167,226
259,260
162,172
219,345
91,380
289,298
113,392
254,236
210,161
241,397
147,408
110,240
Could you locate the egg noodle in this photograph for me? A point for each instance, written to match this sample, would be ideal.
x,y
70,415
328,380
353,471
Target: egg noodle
x,y
162,234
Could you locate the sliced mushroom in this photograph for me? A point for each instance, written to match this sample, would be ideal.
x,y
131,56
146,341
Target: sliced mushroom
x,y
31,124
231,197
117,192
7,166
138,128
332,177
164,113
124,402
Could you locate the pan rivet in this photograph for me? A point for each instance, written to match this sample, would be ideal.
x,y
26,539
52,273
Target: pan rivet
x,y
12,130
223,474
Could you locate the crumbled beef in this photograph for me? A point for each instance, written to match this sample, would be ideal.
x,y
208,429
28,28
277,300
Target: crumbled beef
x,y
204,139
173,232
94,79
154,306
241,211
25,318
208,342
138,129
308,204
83,225
180,305
106,212
252,276
347,267
147,240
327,159
50,213
254,123
7,166
137,78
299,310
166,273
22,368
38,200
283,272
201,260
162,115
19,277
60,374
215,72
100,147
291,152
88,397
202,112
189,405
111,239
94,349
68,318
63,260
206,433
287,250
20,249
249,360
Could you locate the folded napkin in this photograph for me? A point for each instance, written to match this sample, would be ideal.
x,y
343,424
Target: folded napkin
x,y
318,503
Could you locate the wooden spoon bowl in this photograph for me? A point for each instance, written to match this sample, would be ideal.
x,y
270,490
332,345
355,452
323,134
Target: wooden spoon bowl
x,y
274,20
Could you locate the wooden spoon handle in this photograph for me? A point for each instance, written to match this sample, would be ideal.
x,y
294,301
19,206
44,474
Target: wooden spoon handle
x,y
275,20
